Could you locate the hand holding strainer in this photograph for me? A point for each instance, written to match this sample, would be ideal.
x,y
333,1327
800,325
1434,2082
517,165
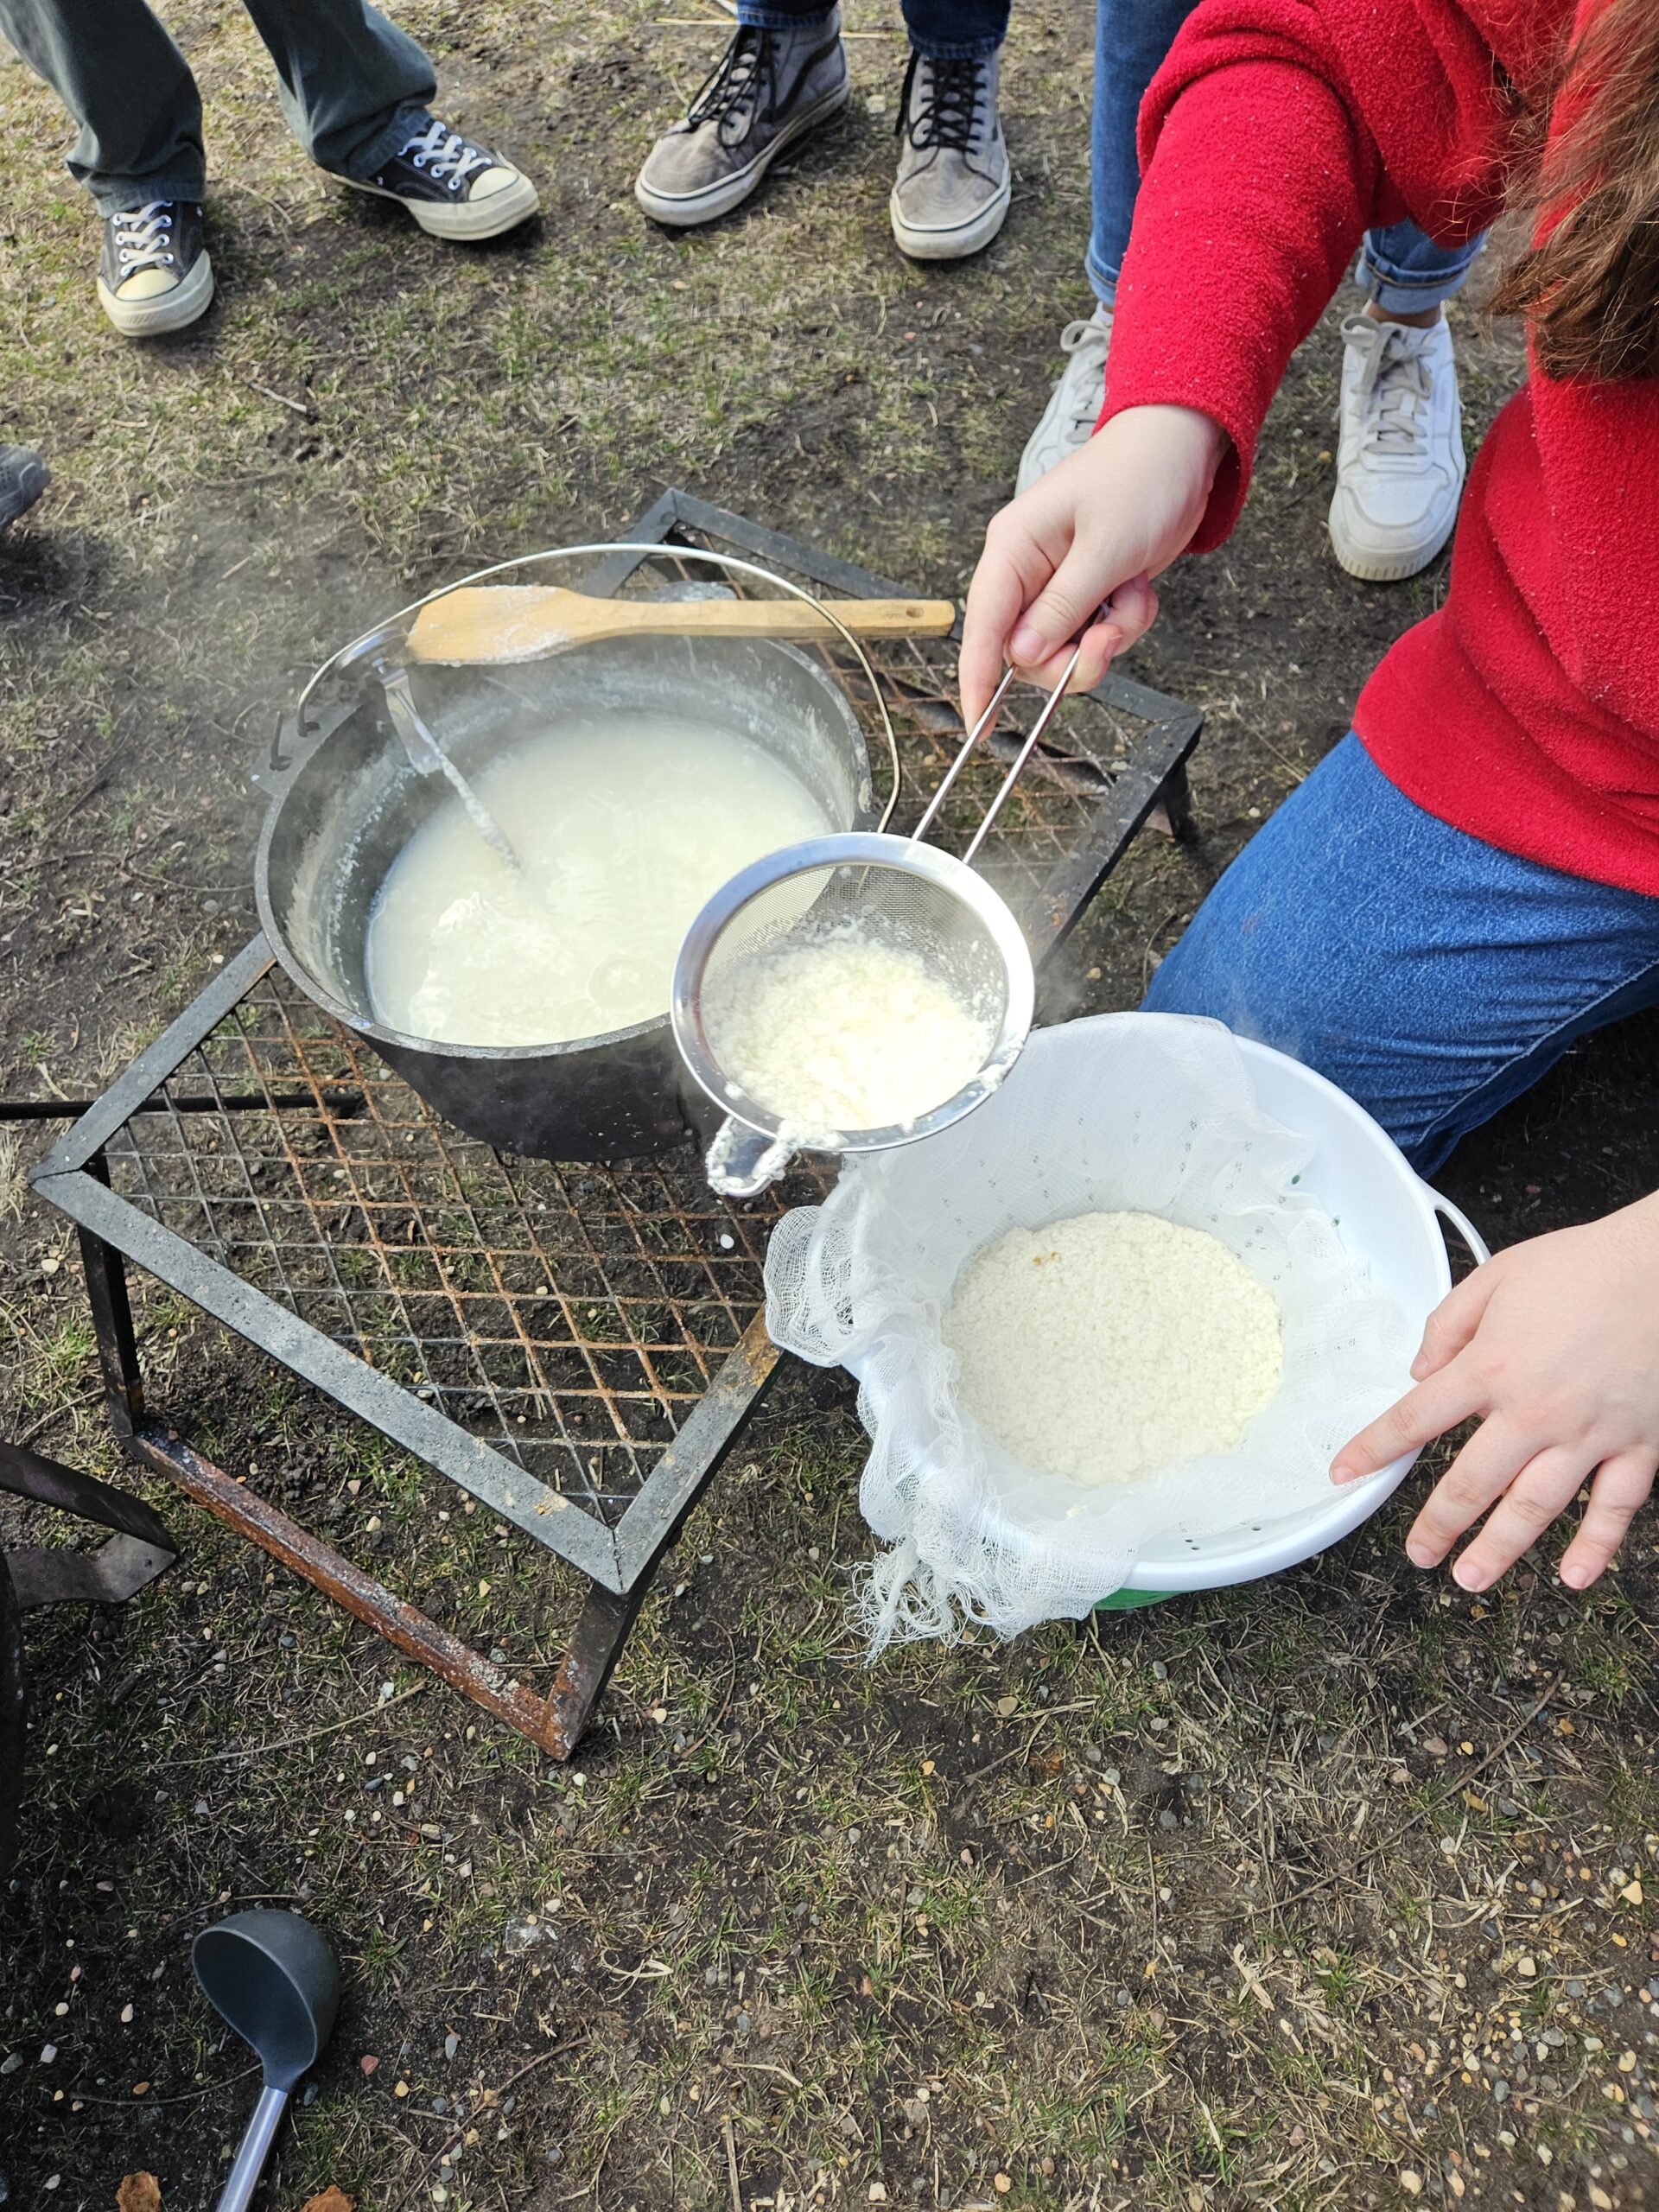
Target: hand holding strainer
x,y
854,992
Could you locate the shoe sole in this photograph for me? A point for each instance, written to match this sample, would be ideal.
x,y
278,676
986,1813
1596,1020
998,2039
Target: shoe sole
x,y
463,222
175,310
952,245
685,211
1390,568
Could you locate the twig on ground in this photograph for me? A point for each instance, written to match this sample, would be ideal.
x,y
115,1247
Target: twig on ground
x,y
288,1743
458,2136
1387,1842
731,2162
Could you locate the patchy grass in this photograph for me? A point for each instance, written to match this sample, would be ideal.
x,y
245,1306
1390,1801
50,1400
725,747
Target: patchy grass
x,y
1324,1893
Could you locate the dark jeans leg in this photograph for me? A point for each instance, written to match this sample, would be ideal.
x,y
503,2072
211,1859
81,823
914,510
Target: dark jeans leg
x,y
129,89
957,31
352,85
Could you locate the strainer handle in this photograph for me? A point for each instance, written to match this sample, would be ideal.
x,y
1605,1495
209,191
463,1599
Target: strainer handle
x,y
1051,708
1460,1221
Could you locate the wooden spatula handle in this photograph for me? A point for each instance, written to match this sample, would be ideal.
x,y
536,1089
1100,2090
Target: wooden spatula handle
x,y
485,622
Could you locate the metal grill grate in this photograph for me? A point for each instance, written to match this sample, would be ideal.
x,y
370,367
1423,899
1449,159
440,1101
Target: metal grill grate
x,y
570,1317
576,1346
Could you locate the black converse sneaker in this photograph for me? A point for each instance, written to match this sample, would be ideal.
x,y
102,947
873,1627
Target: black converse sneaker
x,y
153,274
767,89
453,188
23,477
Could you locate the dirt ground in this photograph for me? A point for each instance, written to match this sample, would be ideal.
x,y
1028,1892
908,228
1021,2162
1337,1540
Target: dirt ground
x,y
1324,1892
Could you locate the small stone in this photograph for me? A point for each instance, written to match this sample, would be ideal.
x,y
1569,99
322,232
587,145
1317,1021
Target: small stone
x,y
1526,1967
368,2063
11,2062
451,2045
1001,2183
1411,2182
400,2089
877,2192
48,2052
1005,1707
1631,1892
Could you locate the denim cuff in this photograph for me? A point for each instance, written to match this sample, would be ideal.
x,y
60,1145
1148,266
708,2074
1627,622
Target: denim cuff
x,y
404,122
1408,291
970,49
1103,280
782,19
112,195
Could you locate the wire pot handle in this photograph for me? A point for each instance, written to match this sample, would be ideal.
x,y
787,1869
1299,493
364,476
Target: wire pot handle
x,y
727,562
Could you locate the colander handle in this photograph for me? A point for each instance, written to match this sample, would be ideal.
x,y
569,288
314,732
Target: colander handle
x,y
1460,1221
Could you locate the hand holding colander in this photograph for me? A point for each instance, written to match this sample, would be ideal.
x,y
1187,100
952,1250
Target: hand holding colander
x,y
897,893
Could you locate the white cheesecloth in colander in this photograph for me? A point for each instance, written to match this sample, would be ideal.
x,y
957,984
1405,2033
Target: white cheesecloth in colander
x,y
1149,1113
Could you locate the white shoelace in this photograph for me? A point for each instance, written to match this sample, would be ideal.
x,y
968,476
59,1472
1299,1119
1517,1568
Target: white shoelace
x,y
450,158
1393,391
143,238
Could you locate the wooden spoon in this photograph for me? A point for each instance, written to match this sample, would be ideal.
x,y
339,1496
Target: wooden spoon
x,y
506,622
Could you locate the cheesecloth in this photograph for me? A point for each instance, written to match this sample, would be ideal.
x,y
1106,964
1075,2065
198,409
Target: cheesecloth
x,y
1154,1113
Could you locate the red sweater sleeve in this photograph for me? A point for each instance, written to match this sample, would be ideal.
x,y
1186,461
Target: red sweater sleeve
x,y
1260,180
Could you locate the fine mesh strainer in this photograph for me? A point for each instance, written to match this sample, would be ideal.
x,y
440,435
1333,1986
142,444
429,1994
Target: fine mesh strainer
x,y
776,933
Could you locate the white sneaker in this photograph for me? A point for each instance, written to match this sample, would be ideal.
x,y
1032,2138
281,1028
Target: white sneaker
x,y
1074,405
1400,459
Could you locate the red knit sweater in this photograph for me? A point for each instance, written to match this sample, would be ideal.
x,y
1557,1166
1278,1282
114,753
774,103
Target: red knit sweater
x,y
1526,711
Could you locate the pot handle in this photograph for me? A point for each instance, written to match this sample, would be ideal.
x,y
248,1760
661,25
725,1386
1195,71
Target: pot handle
x,y
1460,1221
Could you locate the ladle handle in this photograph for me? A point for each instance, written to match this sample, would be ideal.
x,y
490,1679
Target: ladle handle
x,y
255,2150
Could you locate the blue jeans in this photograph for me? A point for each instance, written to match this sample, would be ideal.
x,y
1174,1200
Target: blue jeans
x,y
944,30
1400,268
1430,976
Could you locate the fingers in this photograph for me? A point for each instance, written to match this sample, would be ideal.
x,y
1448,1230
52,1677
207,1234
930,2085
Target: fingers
x,y
1128,614
1437,1404
1455,1320
1050,625
1488,1463
1002,584
1543,1488
1621,1486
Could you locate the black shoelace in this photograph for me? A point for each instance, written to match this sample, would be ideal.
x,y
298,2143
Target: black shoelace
x,y
948,106
737,77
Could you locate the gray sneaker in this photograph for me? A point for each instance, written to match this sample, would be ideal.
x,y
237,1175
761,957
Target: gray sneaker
x,y
953,189
768,89
23,477
1074,405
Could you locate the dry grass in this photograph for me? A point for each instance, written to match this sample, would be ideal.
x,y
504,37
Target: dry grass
x,y
1321,1894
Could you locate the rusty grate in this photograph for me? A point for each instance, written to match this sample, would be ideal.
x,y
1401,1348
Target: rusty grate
x,y
575,1345
569,1317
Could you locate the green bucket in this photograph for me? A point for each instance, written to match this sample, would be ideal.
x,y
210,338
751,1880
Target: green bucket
x,y
1125,1601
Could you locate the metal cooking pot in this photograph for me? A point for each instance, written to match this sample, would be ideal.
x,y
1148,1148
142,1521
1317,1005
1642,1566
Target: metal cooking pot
x,y
345,804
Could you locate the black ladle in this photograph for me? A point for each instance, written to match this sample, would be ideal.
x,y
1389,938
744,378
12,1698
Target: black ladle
x,y
275,1979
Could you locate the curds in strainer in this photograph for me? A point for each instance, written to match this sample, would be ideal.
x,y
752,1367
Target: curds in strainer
x,y
853,993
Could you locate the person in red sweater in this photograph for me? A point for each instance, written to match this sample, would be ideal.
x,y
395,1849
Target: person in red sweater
x,y
1471,880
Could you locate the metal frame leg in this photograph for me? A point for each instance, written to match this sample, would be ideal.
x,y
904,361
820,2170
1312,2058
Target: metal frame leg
x,y
117,1343
1172,816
